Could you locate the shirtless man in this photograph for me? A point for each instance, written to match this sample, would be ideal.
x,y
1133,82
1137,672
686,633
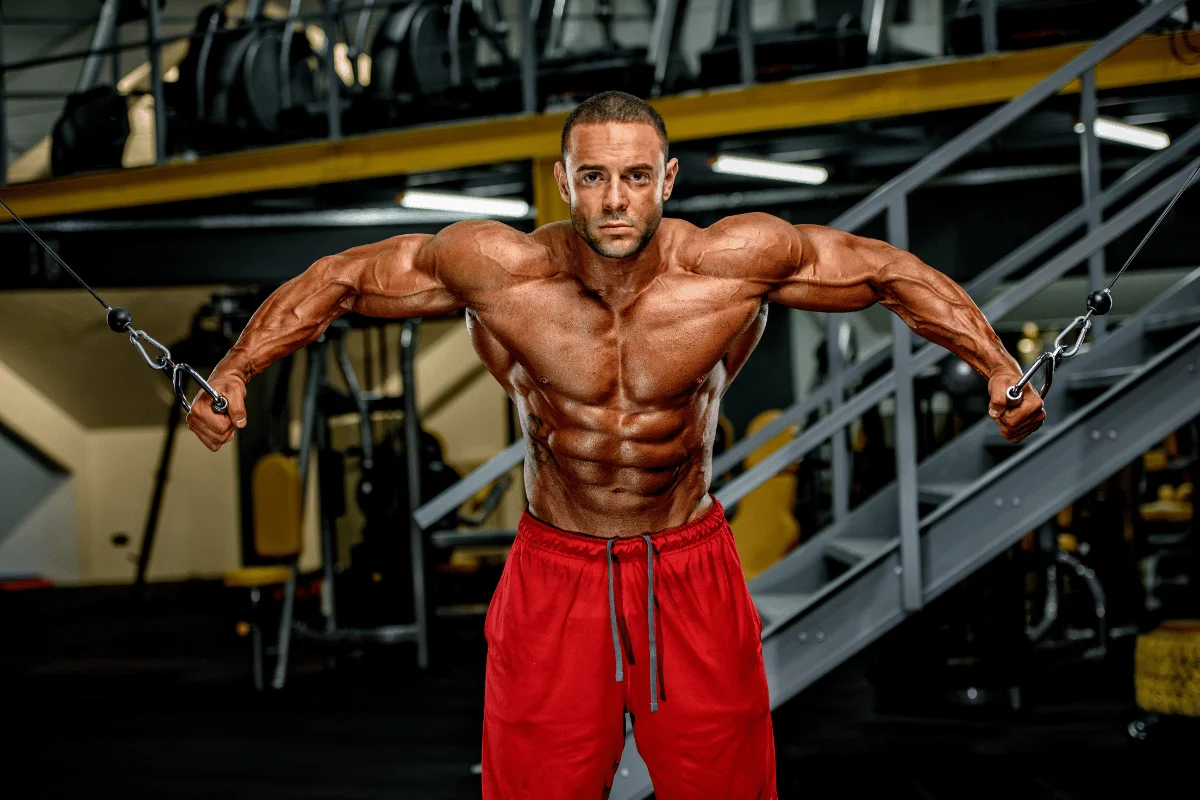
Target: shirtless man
x,y
616,334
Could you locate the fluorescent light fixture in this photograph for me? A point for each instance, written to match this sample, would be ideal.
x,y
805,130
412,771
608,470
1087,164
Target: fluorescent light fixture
x,y
1115,131
775,170
465,204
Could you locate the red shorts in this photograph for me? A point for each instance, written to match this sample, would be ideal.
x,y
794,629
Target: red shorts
x,y
557,691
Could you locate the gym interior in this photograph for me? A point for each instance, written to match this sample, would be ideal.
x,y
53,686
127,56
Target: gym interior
x,y
944,613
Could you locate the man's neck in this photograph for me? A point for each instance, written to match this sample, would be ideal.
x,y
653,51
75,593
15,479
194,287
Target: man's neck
x,y
615,279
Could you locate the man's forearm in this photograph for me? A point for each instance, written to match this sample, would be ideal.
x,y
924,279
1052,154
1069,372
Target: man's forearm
x,y
938,309
293,316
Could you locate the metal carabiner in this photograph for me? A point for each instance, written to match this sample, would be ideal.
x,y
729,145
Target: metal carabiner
x,y
179,372
1086,322
159,361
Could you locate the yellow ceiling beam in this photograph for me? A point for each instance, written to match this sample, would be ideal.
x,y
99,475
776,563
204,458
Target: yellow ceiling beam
x,y
870,94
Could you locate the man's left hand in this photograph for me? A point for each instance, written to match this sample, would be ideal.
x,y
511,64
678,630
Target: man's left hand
x,y
1016,418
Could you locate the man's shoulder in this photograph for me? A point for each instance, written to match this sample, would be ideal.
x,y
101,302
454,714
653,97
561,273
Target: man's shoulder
x,y
741,245
487,254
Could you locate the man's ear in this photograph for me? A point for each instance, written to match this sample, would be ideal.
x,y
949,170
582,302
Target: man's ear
x,y
669,178
564,186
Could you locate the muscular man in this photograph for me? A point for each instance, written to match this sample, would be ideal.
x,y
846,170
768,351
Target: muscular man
x,y
616,334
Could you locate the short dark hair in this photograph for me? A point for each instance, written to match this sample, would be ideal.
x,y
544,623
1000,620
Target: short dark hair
x,y
614,107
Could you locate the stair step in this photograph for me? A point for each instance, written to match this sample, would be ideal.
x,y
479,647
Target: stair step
x,y
776,608
1173,320
935,494
1096,378
850,550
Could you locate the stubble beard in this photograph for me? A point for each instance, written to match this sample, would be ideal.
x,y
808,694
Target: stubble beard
x,y
588,230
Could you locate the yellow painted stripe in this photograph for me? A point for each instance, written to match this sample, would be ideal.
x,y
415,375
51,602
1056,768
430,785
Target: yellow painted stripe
x,y
870,94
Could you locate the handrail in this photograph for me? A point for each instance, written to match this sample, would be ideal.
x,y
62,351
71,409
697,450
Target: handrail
x,y
930,166
1054,233
930,354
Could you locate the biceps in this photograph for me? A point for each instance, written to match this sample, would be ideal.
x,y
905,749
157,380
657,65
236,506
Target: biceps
x,y
838,272
396,282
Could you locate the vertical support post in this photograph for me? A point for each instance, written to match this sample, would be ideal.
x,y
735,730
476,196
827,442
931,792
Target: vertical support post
x,y
1089,169
547,202
987,17
796,330
333,98
256,643
156,82
745,42
662,36
160,486
328,535
529,103
905,433
412,458
308,424
874,12
840,456
115,63
3,108
102,36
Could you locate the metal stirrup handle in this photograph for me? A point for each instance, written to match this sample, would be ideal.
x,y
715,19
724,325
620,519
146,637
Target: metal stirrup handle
x,y
1050,361
1054,358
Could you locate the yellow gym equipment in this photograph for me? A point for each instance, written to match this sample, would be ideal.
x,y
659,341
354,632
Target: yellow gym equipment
x,y
1167,669
764,525
278,533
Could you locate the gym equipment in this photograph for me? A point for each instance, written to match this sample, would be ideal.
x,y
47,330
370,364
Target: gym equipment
x,y
1167,671
764,525
263,84
1036,23
425,63
256,83
91,133
1062,574
643,71
278,533
94,126
838,39
388,573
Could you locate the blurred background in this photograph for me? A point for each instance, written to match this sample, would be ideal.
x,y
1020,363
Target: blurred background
x,y
301,614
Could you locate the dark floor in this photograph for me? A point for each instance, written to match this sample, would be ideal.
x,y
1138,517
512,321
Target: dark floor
x,y
106,698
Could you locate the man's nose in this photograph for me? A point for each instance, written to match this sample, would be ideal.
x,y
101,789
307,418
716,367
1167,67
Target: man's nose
x,y
616,199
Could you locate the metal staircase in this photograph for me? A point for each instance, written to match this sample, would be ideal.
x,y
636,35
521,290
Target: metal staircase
x,y
967,502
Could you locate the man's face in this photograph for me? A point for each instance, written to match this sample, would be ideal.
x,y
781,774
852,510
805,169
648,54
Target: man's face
x,y
616,182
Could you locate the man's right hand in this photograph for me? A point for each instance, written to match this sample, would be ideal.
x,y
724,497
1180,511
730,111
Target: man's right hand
x,y
216,429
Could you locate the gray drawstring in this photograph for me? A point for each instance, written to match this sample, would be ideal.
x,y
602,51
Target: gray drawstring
x,y
650,620
612,613
612,618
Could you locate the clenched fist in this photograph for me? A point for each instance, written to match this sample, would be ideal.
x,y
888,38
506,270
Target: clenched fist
x,y
216,429
1016,418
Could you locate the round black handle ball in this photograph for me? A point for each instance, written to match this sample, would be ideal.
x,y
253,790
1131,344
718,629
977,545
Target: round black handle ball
x,y
119,319
1100,302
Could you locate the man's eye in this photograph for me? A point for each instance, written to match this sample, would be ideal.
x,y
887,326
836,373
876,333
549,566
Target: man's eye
x,y
639,176
591,175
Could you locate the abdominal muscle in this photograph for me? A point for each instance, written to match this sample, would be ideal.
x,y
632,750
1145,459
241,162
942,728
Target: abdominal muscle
x,y
614,473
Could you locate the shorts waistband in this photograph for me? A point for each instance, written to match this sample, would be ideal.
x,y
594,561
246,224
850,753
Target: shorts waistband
x,y
542,534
